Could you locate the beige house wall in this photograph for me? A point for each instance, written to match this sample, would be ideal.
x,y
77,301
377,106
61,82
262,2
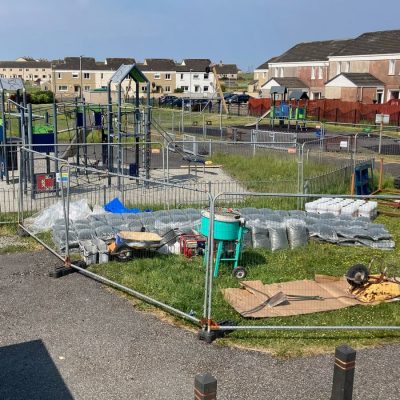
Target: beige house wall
x,y
160,82
333,92
66,85
27,74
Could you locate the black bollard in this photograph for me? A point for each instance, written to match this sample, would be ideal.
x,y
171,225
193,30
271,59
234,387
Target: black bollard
x,y
205,387
343,373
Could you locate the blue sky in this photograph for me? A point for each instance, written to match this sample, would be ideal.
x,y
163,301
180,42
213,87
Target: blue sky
x,y
234,31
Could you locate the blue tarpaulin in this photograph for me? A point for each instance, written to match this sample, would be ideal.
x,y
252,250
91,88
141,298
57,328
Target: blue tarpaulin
x,y
115,206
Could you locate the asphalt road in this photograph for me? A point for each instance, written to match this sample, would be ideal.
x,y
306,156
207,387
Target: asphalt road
x,y
70,338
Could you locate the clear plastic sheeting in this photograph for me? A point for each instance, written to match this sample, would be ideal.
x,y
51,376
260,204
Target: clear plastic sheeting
x,y
44,220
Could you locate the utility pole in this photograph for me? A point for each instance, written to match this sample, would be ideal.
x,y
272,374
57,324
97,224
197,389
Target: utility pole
x,y
80,74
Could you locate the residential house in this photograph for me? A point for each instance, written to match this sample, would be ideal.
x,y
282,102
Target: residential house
x,y
261,75
365,69
307,61
30,70
76,72
376,57
195,76
291,84
161,72
227,71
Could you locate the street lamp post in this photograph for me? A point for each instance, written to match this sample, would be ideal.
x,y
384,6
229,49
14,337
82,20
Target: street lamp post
x,y
190,92
80,72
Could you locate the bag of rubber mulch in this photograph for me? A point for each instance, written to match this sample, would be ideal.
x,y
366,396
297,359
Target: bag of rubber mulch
x,y
323,232
296,232
377,233
379,245
297,214
59,238
260,237
163,225
278,237
105,232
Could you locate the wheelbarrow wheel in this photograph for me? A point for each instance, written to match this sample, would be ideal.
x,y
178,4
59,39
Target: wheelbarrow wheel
x,y
123,253
357,275
239,272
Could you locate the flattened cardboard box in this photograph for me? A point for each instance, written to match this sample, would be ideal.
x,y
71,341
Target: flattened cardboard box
x,y
334,291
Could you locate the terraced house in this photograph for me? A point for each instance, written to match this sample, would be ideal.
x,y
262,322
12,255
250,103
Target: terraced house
x,y
365,69
38,72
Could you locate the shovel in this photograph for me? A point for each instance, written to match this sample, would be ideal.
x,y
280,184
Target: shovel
x,y
277,299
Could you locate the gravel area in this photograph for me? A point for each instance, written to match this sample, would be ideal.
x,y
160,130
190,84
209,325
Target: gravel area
x,y
69,338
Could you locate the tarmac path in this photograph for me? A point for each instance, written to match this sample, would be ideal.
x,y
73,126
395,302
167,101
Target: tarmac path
x,y
70,338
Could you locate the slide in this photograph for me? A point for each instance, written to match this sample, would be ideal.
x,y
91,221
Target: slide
x,y
70,150
259,119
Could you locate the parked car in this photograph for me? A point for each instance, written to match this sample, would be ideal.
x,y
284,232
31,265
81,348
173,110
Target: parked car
x,y
238,99
167,100
179,101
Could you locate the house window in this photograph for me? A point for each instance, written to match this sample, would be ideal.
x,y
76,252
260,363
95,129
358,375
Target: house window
x,y
143,88
345,67
197,88
87,88
43,69
86,75
205,88
27,69
281,72
205,76
181,76
167,89
20,69
62,88
44,76
75,75
312,72
36,76
101,76
37,69
379,96
185,88
392,67
156,75
276,72
168,77
320,73
264,75
394,94
316,95
196,76
76,88
59,75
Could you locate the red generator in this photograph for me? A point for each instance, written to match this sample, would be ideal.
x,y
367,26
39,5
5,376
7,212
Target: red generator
x,y
192,245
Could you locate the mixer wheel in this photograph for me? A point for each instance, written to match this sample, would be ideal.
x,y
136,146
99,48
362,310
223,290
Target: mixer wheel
x,y
239,272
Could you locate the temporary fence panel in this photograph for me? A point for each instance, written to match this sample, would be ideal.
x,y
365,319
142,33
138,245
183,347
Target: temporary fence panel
x,y
295,262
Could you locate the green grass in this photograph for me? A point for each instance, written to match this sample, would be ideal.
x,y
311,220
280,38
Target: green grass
x,y
179,282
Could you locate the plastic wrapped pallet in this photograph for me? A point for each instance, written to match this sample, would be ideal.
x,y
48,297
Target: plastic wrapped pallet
x,y
278,237
260,237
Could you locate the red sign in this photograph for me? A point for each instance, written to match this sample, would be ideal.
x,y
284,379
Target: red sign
x,y
45,182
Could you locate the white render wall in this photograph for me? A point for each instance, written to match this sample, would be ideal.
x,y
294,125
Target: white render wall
x,y
189,79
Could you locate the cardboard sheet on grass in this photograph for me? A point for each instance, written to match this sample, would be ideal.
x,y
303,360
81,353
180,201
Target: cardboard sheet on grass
x,y
334,292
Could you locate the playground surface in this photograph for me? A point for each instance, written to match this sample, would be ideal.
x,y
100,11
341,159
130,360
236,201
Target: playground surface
x,y
91,343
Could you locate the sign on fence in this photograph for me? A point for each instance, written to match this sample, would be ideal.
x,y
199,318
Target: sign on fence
x,y
62,177
382,119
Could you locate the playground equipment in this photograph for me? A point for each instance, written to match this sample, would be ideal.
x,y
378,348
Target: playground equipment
x,y
88,134
229,228
287,110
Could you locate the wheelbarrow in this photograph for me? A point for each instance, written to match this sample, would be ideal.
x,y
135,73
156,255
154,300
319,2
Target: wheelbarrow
x,y
128,244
